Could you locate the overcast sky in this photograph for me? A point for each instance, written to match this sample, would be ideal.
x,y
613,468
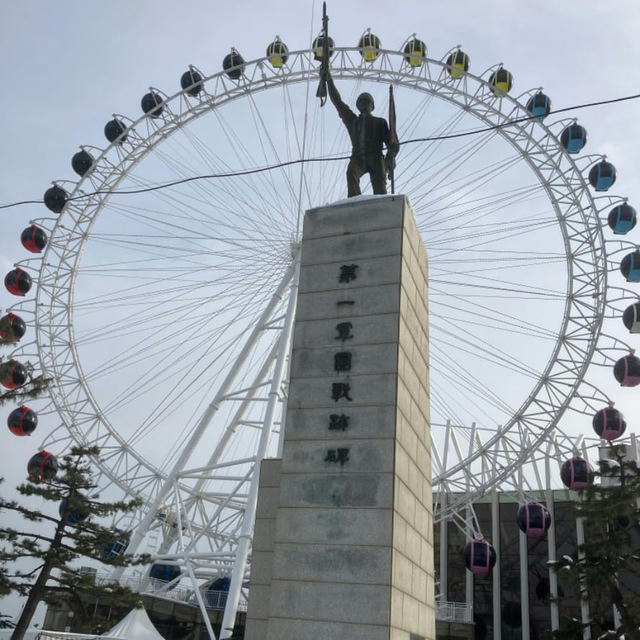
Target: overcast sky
x,y
68,65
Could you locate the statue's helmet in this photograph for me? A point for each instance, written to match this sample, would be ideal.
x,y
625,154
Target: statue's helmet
x,y
362,98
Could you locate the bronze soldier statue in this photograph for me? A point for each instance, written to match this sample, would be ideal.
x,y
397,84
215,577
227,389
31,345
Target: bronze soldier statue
x,y
368,133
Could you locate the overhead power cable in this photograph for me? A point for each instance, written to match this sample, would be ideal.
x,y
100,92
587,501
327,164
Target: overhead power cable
x,y
288,163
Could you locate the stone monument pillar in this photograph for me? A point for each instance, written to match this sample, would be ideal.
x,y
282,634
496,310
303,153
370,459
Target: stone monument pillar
x,y
343,544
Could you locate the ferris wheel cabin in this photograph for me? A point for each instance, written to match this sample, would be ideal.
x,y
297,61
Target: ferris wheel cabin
x,y
165,573
33,239
501,81
55,198
369,45
82,162
114,131
151,104
22,421
622,219
233,65
630,266
318,47
533,519
479,557
191,82
42,466
116,548
75,515
630,318
609,423
458,64
573,138
18,282
602,176
627,371
12,327
575,473
415,52
539,105
278,53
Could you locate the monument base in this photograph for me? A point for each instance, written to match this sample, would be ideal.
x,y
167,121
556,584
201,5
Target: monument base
x,y
343,543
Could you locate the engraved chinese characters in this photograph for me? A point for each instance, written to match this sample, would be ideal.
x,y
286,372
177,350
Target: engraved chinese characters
x,y
342,366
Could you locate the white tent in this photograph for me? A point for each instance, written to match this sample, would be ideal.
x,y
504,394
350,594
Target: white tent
x,y
29,634
134,626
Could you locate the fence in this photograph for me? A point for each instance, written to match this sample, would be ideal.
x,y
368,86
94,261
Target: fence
x,y
454,611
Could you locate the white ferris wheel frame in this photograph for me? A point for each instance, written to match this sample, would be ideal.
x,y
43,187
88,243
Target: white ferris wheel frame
x,y
460,475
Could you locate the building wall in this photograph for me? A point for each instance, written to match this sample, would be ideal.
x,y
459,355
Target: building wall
x,y
502,618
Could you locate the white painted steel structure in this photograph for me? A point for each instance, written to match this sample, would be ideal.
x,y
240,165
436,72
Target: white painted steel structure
x,y
204,503
541,485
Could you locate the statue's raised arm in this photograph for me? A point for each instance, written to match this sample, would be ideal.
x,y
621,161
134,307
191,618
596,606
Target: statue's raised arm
x,y
346,115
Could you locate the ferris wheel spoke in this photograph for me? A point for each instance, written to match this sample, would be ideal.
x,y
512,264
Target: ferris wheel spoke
x,y
261,183
273,153
248,196
174,350
204,382
418,158
145,326
462,319
485,211
212,203
208,204
440,185
478,179
223,196
195,335
491,355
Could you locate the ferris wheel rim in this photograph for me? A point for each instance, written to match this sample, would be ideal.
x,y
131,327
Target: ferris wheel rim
x,y
200,108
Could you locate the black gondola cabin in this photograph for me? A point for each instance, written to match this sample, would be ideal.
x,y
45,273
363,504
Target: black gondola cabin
x,y
627,371
42,466
233,65
22,421
12,327
33,239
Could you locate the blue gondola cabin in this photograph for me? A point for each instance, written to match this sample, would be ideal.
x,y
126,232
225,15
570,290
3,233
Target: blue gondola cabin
x,y
573,138
622,219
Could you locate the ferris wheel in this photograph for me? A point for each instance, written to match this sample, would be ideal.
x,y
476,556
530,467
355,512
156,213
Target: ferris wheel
x,y
164,282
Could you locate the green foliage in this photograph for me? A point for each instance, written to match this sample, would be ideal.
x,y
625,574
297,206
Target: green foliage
x,y
606,569
52,544
5,622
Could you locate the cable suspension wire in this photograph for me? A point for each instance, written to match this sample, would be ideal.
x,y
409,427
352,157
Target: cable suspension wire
x,y
288,163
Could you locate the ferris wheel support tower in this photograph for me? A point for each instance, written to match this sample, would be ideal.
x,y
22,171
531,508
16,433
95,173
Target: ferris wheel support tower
x,y
179,468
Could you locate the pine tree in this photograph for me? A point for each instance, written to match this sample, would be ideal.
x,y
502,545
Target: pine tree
x,y
54,543
5,622
606,569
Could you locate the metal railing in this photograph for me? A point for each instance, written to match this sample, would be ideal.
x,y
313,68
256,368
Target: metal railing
x,y
216,600
158,589
454,611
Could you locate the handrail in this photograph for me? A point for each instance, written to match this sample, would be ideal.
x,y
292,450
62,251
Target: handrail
x,y
454,611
